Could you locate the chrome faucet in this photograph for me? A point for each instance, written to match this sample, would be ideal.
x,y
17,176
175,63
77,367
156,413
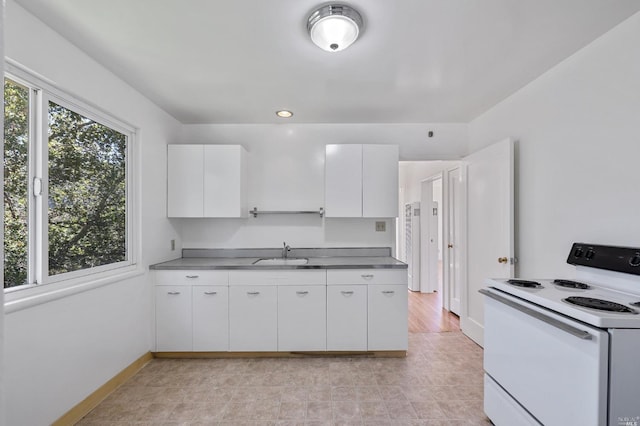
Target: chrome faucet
x,y
285,250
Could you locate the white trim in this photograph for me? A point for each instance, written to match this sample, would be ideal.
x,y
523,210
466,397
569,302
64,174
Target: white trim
x,y
38,294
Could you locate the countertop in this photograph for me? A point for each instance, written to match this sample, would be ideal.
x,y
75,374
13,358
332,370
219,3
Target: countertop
x,y
329,262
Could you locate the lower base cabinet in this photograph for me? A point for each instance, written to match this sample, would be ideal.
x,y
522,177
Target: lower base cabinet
x,y
387,317
288,310
347,318
253,318
173,318
302,318
210,318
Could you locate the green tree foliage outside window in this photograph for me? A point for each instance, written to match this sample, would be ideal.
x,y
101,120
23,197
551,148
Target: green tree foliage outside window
x,y
16,184
87,190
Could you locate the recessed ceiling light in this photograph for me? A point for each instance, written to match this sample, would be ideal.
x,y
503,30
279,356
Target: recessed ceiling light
x,y
284,113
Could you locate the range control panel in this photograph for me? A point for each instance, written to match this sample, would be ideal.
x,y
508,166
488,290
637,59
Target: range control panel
x,y
619,259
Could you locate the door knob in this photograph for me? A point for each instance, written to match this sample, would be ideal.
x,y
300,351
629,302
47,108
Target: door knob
x,y
503,260
450,245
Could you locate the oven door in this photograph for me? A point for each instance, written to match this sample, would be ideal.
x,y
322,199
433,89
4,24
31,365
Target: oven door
x,y
553,367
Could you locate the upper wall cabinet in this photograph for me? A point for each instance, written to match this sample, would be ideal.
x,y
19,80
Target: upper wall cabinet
x,y
207,181
361,181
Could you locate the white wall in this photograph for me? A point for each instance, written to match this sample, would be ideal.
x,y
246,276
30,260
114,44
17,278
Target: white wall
x,y
59,352
286,172
577,153
412,173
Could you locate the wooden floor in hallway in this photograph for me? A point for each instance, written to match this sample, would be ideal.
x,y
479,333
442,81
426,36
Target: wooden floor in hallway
x,y
426,314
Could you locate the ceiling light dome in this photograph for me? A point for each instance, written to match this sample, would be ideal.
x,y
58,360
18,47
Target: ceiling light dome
x,y
334,27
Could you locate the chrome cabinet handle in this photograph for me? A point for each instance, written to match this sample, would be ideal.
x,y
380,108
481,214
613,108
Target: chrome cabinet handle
x,y
253,293
210,292
173,293
302,293
581,334
388,292
347,293
366,276
192,276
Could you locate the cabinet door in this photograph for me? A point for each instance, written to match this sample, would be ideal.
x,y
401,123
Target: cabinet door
x,y
388,317
224,181
302,320
253,318
343,181
210,318
185,170
173,318
379,180
347,318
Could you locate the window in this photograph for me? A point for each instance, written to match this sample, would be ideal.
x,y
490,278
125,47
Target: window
x,y
67,187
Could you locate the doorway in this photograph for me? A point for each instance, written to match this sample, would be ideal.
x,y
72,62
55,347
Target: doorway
x,y
427,183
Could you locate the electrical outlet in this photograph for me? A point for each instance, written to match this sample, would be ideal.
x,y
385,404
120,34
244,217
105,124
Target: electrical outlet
x,y
173,245
381,226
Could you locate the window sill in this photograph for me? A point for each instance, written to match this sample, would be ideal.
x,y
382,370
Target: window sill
x,y
19,299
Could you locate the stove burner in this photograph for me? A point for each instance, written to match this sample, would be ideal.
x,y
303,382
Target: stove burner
x,y
525,283
571,284
599,304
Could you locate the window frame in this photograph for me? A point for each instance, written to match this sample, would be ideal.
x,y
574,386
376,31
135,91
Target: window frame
x,y
41,92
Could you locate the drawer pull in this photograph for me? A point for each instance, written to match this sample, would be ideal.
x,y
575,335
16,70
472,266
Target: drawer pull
x,y
367,276
253,293
302,293
388,292
191,277
347,293
173,293
210,292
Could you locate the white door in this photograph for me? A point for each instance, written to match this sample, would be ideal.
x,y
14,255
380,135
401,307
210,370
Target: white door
x,y
454,250
429,236
489,234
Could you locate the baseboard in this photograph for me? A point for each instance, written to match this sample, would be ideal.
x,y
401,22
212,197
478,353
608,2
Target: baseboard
x,y
372,354
89,403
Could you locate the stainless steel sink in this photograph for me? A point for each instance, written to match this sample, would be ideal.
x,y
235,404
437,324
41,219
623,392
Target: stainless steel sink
x,y
281,261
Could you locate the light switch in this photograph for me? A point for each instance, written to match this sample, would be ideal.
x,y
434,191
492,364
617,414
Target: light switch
x,y
381,226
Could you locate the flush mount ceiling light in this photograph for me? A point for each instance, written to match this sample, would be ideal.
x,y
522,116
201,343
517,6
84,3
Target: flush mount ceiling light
x,y
284,113
334,27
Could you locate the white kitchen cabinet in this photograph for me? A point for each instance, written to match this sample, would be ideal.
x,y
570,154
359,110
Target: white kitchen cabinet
x,y
185,184
225,192
379,180
386,305
253,318
343,181
210,318
361,180
387,317
173,318
206,181
346,317
302,318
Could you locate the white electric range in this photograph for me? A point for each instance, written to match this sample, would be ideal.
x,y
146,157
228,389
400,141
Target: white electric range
x,y
560,352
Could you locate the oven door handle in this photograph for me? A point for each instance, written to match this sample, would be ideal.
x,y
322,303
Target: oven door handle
x,y
581,334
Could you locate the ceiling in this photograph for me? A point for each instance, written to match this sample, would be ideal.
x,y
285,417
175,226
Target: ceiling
x,y
417,61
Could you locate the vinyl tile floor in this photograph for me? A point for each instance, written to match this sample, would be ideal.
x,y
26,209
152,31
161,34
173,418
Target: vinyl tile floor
x,y
438,383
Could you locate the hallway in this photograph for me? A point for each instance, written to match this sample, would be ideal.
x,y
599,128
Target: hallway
x,y
427,316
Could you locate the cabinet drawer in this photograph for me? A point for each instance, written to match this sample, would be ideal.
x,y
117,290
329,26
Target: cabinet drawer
x,y
283,277
367,276
191,277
